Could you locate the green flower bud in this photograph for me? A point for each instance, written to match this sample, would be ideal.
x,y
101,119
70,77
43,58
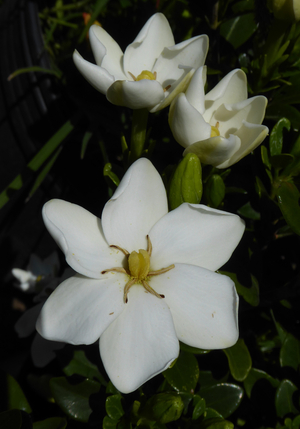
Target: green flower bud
x,y
186,183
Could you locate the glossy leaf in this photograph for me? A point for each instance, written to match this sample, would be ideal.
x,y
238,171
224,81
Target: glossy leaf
x,y
164,407
193,350
183,376
199,407
186,182
238,29
281,161
290,352
109,423
284,398
239,360
276,136
82,366
107,171
248,212
52,423
113,406
216,423
255,375
276,111
250,294
215,190
73,399
11,419
15,397
288,199
207,379
224,397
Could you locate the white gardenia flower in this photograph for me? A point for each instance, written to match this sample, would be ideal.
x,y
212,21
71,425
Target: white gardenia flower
x,y
150,72
145,278
222,126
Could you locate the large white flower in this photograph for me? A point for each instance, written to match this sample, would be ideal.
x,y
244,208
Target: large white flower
x,y
222,126
145,278
152,69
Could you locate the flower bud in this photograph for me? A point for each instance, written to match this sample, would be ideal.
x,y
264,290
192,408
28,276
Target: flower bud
x,y
288,10
186,182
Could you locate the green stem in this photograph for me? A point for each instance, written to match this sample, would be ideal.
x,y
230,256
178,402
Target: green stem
x,y
138,133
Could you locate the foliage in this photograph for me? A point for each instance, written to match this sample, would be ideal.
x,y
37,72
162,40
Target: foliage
x,y
254,384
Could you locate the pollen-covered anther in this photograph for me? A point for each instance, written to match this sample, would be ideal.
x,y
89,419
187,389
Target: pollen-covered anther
x,y
139,269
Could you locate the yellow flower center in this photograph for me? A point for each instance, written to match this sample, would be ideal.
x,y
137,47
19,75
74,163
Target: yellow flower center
x,y
146,75
138,269
215,130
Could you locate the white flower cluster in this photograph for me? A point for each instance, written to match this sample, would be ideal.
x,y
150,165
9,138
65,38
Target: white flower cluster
x,y
220,127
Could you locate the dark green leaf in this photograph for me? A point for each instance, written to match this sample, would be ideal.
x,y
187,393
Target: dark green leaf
x,y
86,138
276,111
276,136
215,190
73,399
82,366
284,398
288,199
224,398
193,350
11,419
113,406
107,171
216,423
109,423
183,376
164,407
15,396
250,294
281,161
206,379
199,407
290,352
248,212
239,360
255,375
239,29
52,423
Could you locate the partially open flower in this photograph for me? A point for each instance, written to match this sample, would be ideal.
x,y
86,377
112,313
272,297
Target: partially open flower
x,y
145,278
222,126
152,69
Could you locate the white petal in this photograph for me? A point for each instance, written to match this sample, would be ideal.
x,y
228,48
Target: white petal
x,y
204,306
107,52
195,234
173,61
230,117
79,235
251,136
140,343
171,93
145,49
142,94
230,90
186,123
97,76
26,278
195,93
80,309
215,150
137,204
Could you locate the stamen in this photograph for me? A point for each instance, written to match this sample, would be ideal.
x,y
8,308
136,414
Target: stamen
x,y
126,253
163,270
150,290
132,75
117,270
149,247
167,87
126,289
